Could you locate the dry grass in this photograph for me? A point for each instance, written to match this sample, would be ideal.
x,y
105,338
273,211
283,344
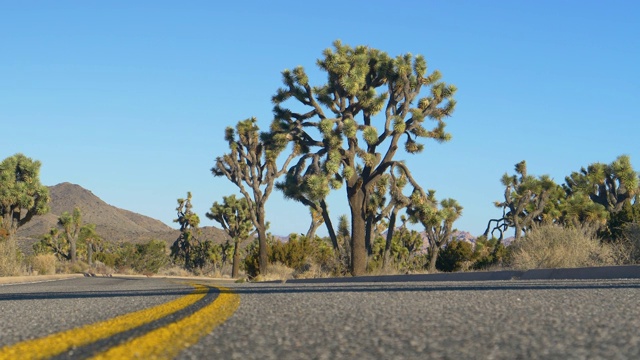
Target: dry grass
x,y
632,236
310,271
553,246
66,267
627,249
43,264
174,271
10,258
276,272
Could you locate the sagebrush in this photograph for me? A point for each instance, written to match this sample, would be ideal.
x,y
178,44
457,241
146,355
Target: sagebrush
x,y
555,246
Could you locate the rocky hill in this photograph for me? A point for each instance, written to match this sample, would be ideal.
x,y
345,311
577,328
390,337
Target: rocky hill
x,y
112,223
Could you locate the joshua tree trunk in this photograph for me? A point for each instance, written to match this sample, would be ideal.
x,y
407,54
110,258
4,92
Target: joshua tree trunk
x,y
261,228
390,232
433,250
358,232
72,242
236,260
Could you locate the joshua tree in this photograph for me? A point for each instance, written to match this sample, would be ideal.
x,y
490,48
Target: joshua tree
x,y
527,200
437,222
186,247
251,166
610,185
234,216
337,123
71,225
21,194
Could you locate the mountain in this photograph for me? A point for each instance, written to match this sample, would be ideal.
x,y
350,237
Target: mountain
x,y
112,223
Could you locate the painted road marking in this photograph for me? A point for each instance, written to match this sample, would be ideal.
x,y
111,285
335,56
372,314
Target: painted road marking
x,y
167,342
58,343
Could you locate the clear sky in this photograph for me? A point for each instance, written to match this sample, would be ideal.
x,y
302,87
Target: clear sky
x,y
130,99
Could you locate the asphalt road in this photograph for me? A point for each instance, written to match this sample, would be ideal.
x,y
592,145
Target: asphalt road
x,y
516,319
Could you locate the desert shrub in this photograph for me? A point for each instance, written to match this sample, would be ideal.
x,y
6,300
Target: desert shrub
x,y
251,262
174,271
151,256
627,247
102,268
145,258
301,254
276,271
405,253
456,256
11,257
554,246
43,264
632,237
109,259
488,253
67,267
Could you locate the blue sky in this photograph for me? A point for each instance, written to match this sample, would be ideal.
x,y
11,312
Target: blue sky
x,y
130,99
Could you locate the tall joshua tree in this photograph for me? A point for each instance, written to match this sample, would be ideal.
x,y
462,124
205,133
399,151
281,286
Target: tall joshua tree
x,y
22,196
234,216
338,121
251,166
186,245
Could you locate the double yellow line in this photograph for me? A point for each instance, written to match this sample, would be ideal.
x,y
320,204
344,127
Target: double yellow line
x,y
162,343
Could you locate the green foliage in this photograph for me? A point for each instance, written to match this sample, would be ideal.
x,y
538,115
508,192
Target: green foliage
x,y
71,224
235,217
148,257
298,253
437,220
251,259
89,242
456,256
610,185
151,256
528,200
339,116
251,166
187,250
404,253
22,196
607,193
488,253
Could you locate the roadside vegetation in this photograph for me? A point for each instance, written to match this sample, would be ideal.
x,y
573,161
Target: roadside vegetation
x,y
352,134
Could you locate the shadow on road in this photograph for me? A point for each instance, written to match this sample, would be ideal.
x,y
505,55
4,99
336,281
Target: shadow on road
x,y
450,287
104,283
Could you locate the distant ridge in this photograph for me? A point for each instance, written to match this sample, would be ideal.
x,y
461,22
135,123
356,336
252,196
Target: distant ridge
x,y
112,223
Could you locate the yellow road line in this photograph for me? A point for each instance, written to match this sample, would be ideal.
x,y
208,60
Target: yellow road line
x,y
58,343
168,341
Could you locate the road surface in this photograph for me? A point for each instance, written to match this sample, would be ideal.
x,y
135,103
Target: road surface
x,y
516,319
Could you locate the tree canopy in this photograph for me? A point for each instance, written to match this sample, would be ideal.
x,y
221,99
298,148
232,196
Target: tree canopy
x,y
365,87
234,216
22,196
